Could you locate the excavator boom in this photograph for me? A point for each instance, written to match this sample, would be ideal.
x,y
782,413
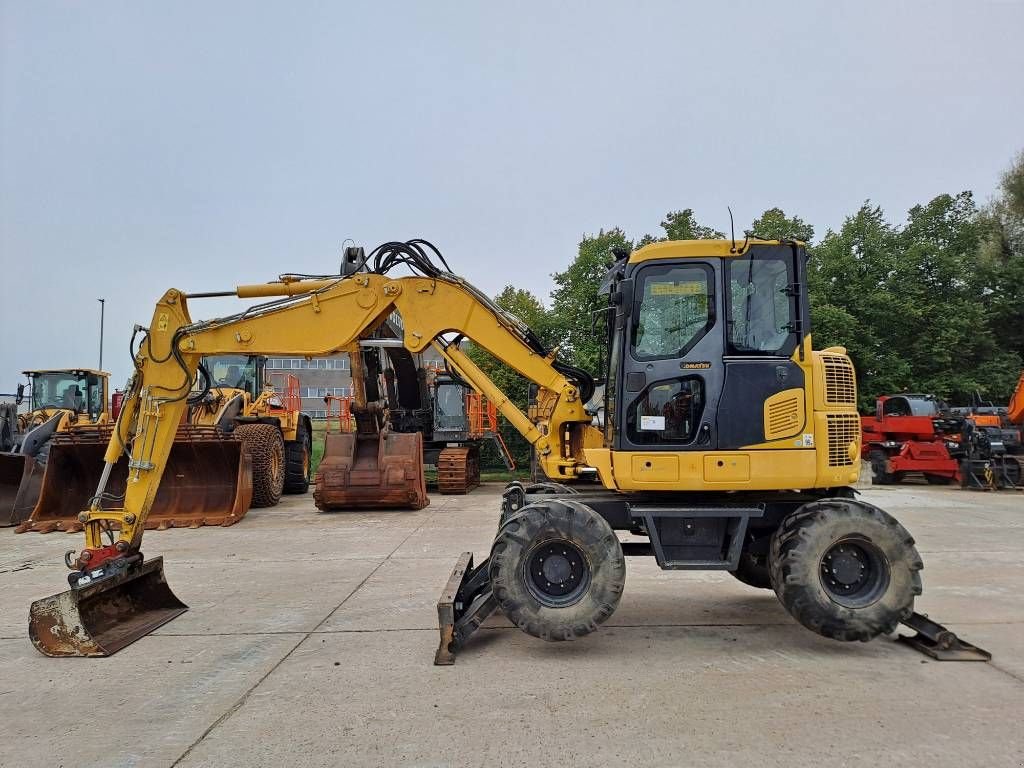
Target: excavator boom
x,y
319,317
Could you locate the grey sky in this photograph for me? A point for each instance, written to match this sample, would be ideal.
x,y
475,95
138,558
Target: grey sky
x,y
146,145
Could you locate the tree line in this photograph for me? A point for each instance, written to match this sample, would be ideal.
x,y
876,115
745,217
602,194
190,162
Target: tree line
x,y
932,305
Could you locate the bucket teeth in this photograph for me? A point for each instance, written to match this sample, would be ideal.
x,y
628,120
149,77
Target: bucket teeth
x,y
101,618
382,471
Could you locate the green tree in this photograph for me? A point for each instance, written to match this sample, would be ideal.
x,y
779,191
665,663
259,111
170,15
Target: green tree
x,y
574,299
528,308
773,224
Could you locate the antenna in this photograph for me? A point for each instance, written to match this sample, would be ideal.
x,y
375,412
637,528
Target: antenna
x,y
732,230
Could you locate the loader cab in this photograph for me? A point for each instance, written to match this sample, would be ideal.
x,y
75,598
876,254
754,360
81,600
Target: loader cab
x,y
82,392
243,372
701,335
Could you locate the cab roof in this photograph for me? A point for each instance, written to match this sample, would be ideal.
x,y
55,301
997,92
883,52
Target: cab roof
x,y
67,370
689,249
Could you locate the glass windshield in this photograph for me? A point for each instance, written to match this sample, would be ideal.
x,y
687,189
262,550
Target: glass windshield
x,y
451,408
674,310
235,371
71,390
760,314
667,412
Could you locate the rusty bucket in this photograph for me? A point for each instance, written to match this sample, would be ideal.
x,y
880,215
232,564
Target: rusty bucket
x,y
207,481
12,467
379,471
103,616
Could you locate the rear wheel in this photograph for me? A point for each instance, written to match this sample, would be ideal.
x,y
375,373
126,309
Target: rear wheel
x,y
845,569
557,569
298,454
266,446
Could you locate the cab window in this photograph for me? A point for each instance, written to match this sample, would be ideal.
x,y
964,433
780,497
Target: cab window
x,y
674,308
760,307
667,412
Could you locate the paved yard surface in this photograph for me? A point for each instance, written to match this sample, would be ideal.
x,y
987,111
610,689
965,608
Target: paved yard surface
x,y
310,639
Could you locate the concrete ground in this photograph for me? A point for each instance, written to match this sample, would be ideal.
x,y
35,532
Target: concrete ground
x,y
310,639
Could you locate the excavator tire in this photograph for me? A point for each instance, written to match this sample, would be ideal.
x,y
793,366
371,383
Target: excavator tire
x,y
298,460
557,569
266,446
458,469
845,569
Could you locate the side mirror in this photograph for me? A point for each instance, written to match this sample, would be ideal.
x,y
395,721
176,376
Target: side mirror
x,y
20,397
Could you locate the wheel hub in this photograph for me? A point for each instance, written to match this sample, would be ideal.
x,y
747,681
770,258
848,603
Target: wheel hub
x,y
557,573
854,573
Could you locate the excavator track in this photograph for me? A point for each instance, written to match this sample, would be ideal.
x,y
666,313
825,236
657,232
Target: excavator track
x,y
458,469
207,481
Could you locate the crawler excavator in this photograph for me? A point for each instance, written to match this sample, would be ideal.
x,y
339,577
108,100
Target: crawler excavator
x,y
728,444
54,466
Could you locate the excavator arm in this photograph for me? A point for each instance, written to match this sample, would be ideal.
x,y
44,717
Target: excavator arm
x,y
1015,410
318,317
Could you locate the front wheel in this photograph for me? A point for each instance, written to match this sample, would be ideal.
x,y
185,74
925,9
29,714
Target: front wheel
x,y
845,569
880,474
557,569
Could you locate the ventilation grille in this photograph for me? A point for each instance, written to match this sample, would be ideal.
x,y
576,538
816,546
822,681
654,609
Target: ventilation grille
x,y
843,429
840,383
784,416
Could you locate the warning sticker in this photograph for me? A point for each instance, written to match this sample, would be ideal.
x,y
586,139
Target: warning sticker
x,y
678,289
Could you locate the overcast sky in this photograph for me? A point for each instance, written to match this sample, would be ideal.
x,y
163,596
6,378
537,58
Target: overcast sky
x,y
198,145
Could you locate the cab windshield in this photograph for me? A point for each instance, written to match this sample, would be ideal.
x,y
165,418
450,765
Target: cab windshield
x,y
450,408
234,371
70,390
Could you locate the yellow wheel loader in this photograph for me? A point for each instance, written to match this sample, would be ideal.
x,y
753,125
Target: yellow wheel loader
x,y
54,466
238,397
728,444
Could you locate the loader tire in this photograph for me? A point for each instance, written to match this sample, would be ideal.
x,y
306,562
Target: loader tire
x,y
266,446
298,460
845,569
753,570
557,569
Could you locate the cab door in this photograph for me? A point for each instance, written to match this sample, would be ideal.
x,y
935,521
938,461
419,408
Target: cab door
x,y
671,373
763,390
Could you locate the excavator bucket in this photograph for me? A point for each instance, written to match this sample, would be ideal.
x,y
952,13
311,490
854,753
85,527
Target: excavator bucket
x,y
372,471
12,467
103,616
207,481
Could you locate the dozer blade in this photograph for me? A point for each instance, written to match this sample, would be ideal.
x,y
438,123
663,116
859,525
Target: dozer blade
x,y
12,467
207,481
102,617
379,471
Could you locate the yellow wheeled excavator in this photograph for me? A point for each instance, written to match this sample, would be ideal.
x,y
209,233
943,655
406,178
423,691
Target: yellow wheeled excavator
x,y
728,444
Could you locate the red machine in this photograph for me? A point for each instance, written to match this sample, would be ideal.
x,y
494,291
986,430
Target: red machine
x,y
911,433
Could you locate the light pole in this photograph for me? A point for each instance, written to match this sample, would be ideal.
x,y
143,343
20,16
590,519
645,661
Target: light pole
x,y
103,306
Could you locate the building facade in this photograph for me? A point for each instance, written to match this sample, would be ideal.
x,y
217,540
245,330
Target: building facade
x,y
322,376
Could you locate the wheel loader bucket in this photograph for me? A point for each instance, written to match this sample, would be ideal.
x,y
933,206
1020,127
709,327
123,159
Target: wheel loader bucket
x,y
12,467
207,481
381,471
102,617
